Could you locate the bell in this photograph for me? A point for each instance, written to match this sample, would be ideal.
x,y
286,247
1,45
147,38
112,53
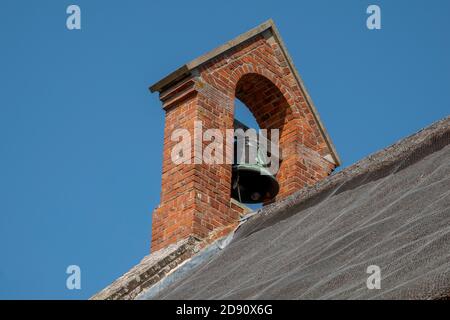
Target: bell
x,y
252,182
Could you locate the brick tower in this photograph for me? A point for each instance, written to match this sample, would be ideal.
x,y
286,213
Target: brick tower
x,y
255,68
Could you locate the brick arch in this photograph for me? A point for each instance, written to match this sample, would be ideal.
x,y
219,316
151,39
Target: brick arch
x,y
287,114
250,70
264,99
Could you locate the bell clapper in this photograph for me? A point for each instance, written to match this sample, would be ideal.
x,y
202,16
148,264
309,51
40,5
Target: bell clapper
x,y
239,188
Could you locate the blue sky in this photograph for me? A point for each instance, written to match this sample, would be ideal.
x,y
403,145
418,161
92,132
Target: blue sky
x,y
81,135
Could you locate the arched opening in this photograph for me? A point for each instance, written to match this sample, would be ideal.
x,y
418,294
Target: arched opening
x,y
259,104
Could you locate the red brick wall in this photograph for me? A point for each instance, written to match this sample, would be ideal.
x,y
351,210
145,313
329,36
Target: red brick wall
x,y
195,198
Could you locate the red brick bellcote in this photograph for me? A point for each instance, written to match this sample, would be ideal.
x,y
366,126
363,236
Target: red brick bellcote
x,y
256,69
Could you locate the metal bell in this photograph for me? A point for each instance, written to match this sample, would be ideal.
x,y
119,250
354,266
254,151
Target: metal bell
x,y
252,182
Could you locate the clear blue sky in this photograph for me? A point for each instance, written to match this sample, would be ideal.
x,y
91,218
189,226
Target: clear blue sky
x,y
81,135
